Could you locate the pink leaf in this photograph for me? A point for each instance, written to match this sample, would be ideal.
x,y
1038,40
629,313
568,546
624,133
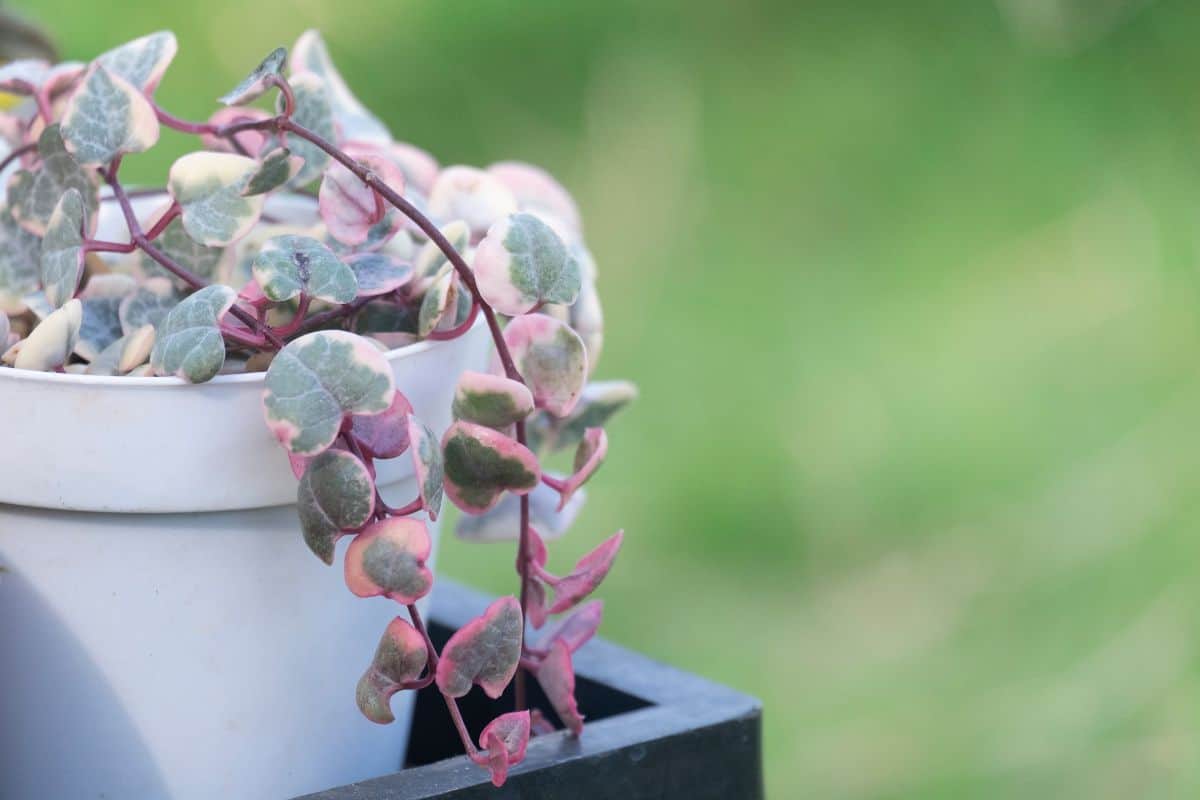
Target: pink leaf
x,y
552,359
348,206
384,435
557,678
536,190
575,629
484,651
491,400
588,458
420,169
536,549
587,575
538,724
388,558
401,656
504,740
481,463
535,605
252,141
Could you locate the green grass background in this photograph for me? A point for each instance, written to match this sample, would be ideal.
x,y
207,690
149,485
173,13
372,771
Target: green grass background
x,y
912,303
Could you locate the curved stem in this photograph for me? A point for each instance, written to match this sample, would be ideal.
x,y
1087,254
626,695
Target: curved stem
x,y
17,153
460,329
431,665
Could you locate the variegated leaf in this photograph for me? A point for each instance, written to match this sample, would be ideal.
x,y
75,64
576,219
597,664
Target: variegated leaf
x,y
575,629
384,435
316,381
587,574
314,112
107,116
472,195
135,349
49,345
100,327
536,190
20,259
34,194
148,305
336,495
556,675
551,358
189,343
354,122
440,298
401,656
184,250
258,81
485,651
287,266
378,273
350,208
588,458
252,141
388,558
431,261
504,741
491,400
481,463
208,188
503,523
427,465
419,167
275,169
522,263
598,403
143,61
62,249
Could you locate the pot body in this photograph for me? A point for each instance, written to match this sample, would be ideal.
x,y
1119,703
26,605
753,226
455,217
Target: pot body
x,y
165,632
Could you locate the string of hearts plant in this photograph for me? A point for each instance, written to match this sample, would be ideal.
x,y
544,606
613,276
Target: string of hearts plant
x,y
242,268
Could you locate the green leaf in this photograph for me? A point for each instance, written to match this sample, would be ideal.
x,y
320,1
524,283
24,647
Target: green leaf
x,y
439,298
50,344
388,558
316,381
481,463
20,259
186,251
484,651
107,117
335,495
256,83
491,400
148,305
274,170
62,250
101,326
427,465
401,656
289,265
309,54
143,61
34,194
314,112
208,188
522,263
189,343
551,358
378,273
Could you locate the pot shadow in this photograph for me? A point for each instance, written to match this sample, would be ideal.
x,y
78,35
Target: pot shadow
x,y
47,736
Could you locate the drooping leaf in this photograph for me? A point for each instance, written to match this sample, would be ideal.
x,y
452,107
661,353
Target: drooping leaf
x,y
556,675
208,188
49,345
588,458
287,266
336,495
481,463
485,651
175,242
536,190
401,656
354,122
472,195
504,740
348,206
427,465
522,263
575,629
62,249
20,261
314,112
100,327
189,343
257,82
316,381
502,523
588,573
148,305
598,403
491,400
388,559
378,273
440,298
551,358
384,435
33,195
275,169
107,116
143,61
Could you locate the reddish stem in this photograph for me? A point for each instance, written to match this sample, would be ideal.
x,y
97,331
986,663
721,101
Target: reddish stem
x,y
183,126
166,219
451,703
97,246
17,153
460,329
554,483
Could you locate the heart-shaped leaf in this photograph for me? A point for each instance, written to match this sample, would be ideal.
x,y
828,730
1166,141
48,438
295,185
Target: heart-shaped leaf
x,y
440,298
556,675
472,195
143,61
20,263
384,435
575,629
491,400
348,206
551,358
378,273
316,381
353,120
49,345
33,195
504,741
184,250
481,463
107,116
401,656
101,326
313,111
522,263
427,465
148,305
587,575
275,169
287,266
258,81
503,522
431,261
588,458
190,344
336,495
388,558
484,651
208,188
62,249
537,191
124,354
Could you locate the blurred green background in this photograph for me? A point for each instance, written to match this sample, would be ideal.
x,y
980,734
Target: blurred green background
x,y
910,290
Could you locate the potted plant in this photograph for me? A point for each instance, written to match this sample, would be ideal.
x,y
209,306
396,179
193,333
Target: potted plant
x,y
407,331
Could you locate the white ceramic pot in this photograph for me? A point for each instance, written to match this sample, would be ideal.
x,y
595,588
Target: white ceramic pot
x,y
164,632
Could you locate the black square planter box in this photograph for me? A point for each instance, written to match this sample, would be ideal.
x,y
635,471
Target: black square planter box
x,y
651,732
